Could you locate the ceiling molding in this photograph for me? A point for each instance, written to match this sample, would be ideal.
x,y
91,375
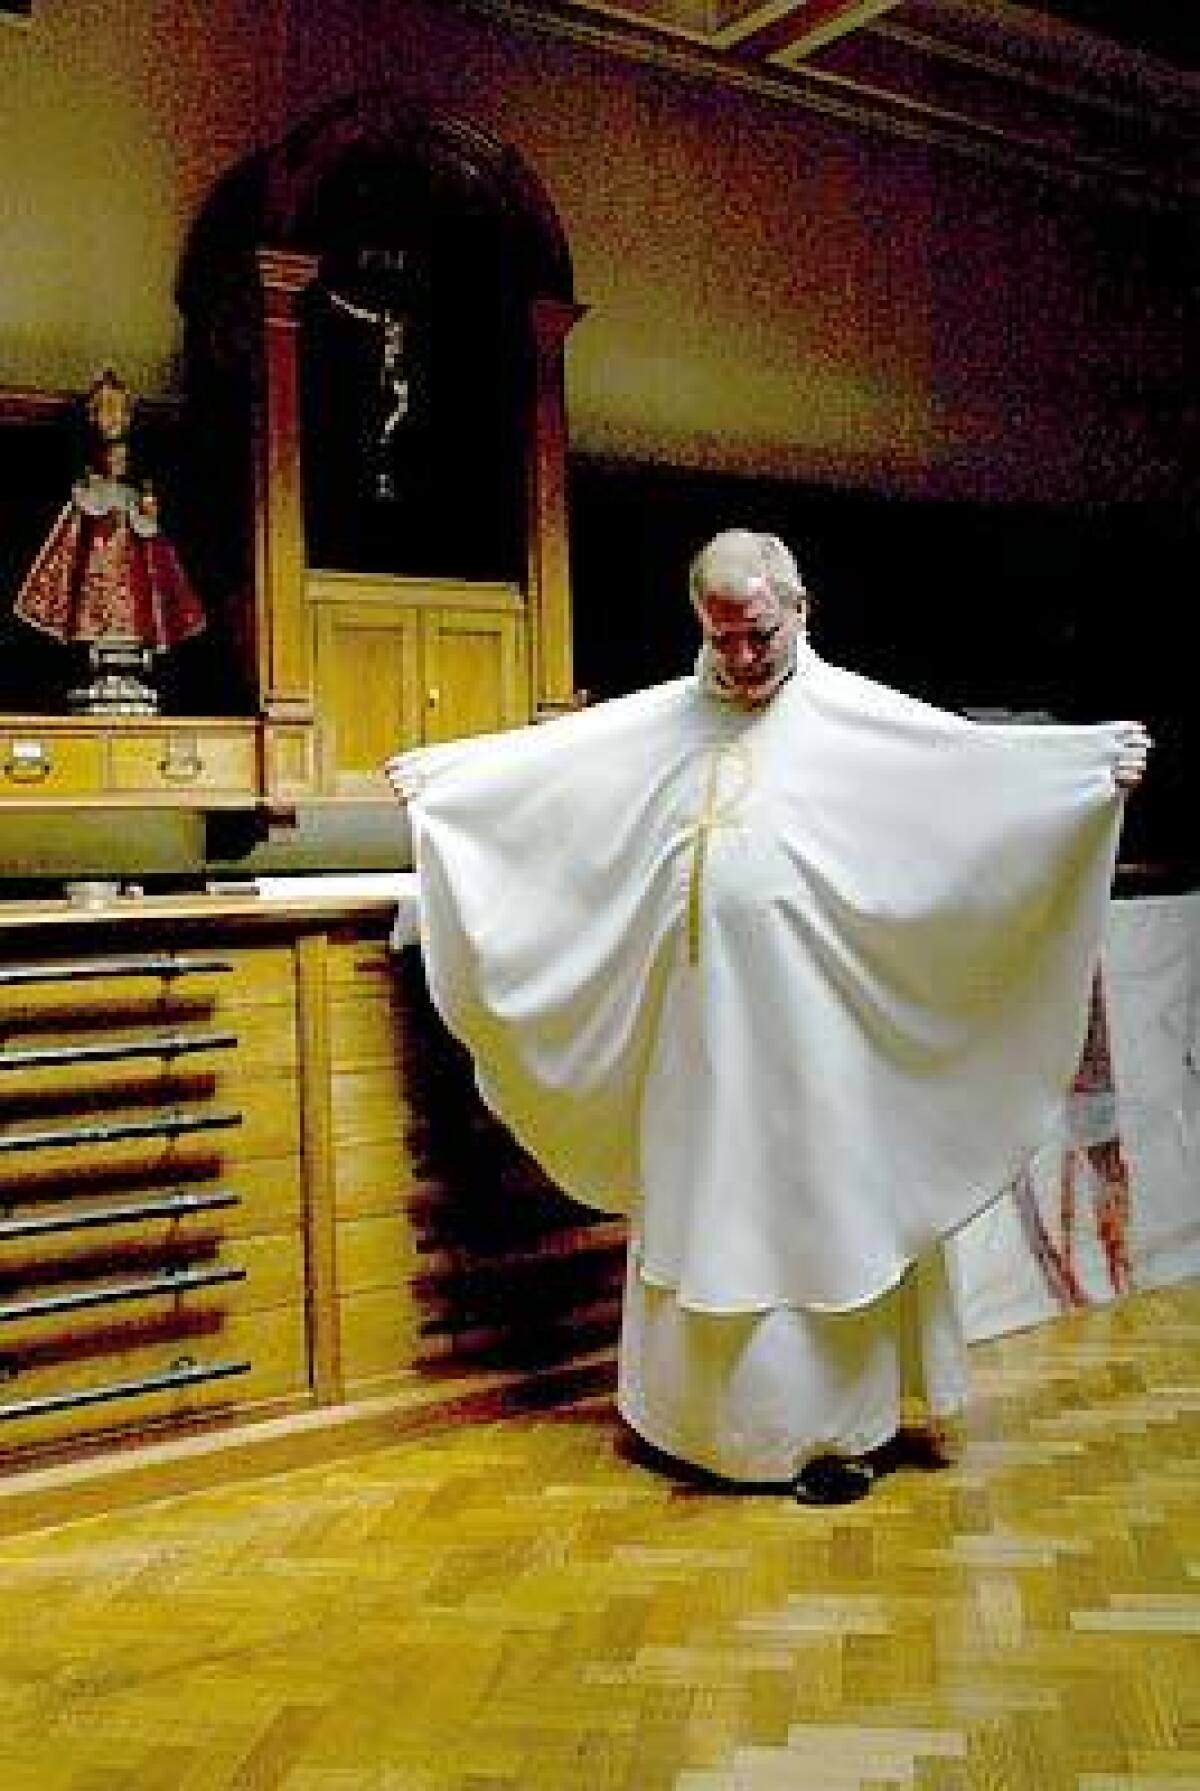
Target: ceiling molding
x,y
797,30
998,82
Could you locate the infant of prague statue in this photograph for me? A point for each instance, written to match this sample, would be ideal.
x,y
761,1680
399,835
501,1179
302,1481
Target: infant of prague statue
x,y
107,576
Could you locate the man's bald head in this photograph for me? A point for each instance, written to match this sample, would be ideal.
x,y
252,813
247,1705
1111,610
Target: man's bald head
x,y
748,594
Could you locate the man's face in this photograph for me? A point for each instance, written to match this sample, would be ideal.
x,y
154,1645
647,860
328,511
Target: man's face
x,y
751,635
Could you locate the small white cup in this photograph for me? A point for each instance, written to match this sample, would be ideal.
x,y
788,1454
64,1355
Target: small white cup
x,y
92,892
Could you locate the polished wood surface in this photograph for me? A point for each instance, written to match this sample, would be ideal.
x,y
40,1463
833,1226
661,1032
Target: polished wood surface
x,y
152,761
338,670
552,675
407,661
283,638
533,1605
353,1240
23,923
138,1085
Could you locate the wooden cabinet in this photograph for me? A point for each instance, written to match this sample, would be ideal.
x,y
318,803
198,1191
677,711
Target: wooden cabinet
x,y
482,439
56,756
373,385
248,1190
87,761
454,1254
350,665
41,760
402,662
152,1262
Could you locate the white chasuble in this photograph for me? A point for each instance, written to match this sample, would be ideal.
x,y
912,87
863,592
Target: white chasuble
x,y
798,987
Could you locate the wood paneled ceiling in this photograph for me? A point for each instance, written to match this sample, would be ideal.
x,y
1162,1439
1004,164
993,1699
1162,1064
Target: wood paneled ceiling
x,y
1105,92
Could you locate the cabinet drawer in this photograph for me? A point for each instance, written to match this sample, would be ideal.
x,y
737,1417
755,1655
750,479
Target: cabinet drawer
x,y
376,1178
239,1117
183,760
147,985
366,1032
277,1355
369,1107
79,1196
359,967
75,1266
384,1335
39,1053
36,1176
380,1251
34,765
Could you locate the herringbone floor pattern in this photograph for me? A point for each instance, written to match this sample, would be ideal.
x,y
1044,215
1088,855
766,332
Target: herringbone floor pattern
x,y
528,1606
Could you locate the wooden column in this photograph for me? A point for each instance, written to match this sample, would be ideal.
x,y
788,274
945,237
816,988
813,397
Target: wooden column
x,y
284,635
552,684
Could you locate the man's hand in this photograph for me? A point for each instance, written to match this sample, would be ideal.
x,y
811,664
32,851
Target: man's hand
x,y
404,777
1132,753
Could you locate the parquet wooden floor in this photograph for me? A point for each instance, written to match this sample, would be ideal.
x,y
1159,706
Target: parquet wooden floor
x,y
529,1606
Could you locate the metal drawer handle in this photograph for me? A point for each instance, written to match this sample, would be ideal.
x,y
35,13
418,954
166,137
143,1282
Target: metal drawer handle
x,y
28,762
162,1125
162,1044
81,969
171,1284
164,1206
181,762
183,1373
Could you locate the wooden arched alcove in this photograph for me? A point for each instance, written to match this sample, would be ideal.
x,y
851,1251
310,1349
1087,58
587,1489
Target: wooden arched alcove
x,y
377,308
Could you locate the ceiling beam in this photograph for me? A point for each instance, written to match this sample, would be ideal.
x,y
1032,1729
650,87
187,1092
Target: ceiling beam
x,y
799,29
792,27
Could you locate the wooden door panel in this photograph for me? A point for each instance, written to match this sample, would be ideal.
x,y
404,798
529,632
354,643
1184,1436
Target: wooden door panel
x,y
471,673
368,692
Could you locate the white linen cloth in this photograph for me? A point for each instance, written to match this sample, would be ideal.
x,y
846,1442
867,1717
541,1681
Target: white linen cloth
x,y
796,986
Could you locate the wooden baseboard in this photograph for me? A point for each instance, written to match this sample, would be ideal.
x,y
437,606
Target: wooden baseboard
x,y
40,1498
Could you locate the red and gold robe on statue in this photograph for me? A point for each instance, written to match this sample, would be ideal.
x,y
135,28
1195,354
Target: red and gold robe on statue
x,y
106,570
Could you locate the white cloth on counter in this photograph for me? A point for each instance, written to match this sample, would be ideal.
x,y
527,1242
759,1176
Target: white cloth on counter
x,y
797,986
329,886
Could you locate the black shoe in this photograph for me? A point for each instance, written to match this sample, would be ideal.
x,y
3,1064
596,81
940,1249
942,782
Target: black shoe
x,y
912,1447
833,1480
926,1446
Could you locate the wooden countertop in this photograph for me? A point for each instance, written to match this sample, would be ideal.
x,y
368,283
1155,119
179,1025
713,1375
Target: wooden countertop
x,y
335,901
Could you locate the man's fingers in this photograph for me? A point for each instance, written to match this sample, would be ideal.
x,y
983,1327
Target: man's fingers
x,y
403,779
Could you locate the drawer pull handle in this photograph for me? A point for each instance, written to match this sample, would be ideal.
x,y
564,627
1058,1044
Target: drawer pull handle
x,y
181,762
85,969
167,1206
170,1284
163,1044
73,970
160,1125
28,762
183,1373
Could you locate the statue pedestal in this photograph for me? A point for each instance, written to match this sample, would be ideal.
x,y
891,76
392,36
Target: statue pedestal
x,y
120,666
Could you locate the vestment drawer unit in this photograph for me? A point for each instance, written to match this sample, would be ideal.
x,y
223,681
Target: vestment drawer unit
x,y
455,1256
150,1200
251,1207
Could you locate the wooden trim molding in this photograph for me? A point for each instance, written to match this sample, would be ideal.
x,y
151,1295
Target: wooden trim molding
x,y
316,1129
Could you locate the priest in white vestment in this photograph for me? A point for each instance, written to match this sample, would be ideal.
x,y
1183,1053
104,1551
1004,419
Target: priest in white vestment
x,y
791,969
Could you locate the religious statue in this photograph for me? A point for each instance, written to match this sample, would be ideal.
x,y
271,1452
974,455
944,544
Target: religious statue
x,y
393,387
107,575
